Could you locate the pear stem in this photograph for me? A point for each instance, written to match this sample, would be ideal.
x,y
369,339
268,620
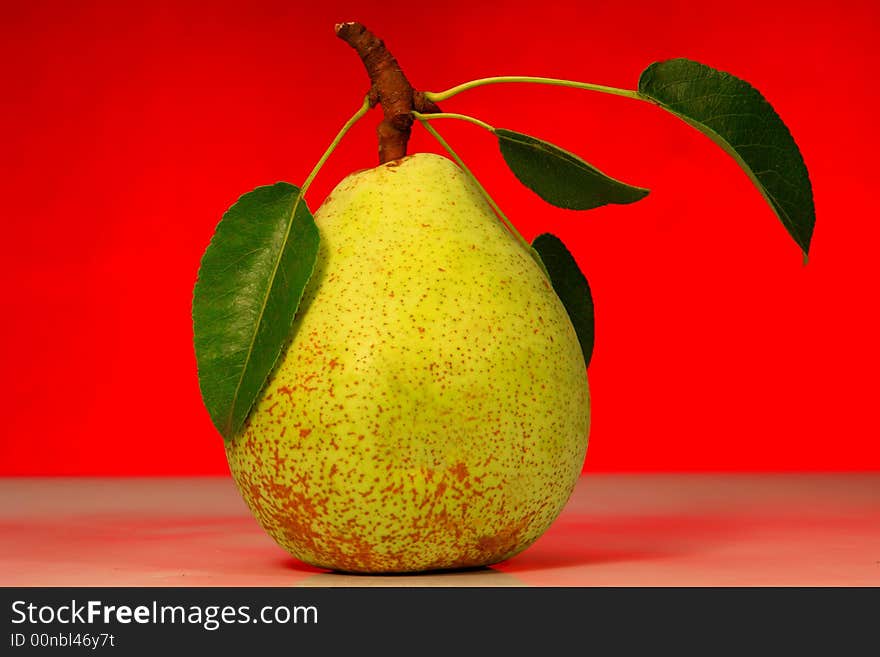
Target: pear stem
x,y
365,107
390,88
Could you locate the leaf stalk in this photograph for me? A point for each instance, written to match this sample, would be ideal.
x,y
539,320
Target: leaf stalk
x,y
473,178
452,115
364,108
439,96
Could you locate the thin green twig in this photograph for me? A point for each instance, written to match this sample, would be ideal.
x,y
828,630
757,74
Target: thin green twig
x,y
365,107
440,96
473,178
452,115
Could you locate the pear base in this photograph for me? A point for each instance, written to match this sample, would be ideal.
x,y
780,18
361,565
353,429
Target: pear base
x,y
385,565
424,543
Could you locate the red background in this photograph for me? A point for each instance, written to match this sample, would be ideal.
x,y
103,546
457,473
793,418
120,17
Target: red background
x,y
128,128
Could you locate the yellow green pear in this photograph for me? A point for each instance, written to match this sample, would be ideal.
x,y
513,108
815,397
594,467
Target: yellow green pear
x,y
431,409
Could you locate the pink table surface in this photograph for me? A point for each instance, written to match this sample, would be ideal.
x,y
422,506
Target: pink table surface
x,y
617,530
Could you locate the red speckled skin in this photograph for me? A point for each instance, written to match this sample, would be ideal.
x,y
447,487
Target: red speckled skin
x,y
432,409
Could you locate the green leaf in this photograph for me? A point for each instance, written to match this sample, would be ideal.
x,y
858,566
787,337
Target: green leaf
x,y
570,286
559,177
250,283
738,118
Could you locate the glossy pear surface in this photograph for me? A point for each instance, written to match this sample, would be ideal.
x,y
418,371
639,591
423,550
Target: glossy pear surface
x,y
431,410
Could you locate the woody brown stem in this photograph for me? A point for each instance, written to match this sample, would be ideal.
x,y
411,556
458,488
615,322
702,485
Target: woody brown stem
x,y
390,88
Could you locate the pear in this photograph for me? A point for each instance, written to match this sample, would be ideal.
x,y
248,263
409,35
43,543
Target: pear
x,y
431,409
